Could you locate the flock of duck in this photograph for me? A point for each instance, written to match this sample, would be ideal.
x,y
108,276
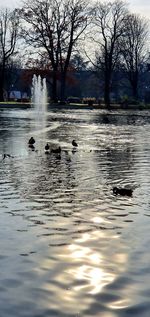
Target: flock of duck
x,y
31,143
116,190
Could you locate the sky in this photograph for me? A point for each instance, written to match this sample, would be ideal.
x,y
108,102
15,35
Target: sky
x,y
141,7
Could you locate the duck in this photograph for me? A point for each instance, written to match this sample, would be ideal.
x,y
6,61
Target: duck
x,y
58,157
31,141
7,155
47,147
74,143
122,191
57,150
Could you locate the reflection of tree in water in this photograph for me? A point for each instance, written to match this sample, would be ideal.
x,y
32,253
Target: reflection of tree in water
x,y
39,177
119,161
121,118
105,119
104,153
116,156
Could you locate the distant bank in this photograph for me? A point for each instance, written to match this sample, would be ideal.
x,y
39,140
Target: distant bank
x,y
27,105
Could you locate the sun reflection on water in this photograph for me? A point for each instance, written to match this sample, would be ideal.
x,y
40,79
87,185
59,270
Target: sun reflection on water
x,y
85,271
82,251
90,268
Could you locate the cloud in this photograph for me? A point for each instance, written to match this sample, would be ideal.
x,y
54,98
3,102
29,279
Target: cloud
x,y
141,7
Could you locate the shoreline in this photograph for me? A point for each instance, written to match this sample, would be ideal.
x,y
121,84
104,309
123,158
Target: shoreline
x,y
27,105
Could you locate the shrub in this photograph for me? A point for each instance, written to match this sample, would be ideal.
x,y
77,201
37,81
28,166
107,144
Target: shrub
x,y
89,100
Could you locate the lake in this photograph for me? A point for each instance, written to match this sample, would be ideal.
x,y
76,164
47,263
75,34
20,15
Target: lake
x,y
68,246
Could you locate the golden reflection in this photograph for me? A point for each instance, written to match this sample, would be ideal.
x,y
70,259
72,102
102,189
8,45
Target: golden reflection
x,y
120,258
78,252
91,272
96,277
95,258
83,238
84,268
100,220
120,304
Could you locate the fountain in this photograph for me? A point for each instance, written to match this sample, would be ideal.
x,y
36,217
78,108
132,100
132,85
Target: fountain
x,y
39,101
39,94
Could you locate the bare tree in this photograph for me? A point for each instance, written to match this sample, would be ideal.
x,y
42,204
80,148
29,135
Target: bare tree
x,y
55,26
108,19
78,62
133,48
9,23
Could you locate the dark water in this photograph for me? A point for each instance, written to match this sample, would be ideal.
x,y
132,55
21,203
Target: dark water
x,y
68,247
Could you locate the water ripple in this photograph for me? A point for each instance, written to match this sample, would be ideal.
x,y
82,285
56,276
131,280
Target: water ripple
x,y
69,247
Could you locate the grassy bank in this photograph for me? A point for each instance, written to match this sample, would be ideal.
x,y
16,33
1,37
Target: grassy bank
x,y
14,104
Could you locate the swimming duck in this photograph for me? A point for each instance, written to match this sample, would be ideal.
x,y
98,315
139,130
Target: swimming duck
x,y
31,141
74,143
58,157
7,155
58,150
122,191
47,147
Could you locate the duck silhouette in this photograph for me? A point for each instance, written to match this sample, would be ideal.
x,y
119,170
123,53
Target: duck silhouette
x,y
7,155
57,150
31,141
74,143
122,191
47,147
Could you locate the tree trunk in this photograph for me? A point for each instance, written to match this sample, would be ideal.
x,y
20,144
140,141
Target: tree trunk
x,y
1,93
2,79
63,86
133,78
135,86
54,87
107,90
134,91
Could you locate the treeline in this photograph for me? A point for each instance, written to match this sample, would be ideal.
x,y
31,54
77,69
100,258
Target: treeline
x,y
57,36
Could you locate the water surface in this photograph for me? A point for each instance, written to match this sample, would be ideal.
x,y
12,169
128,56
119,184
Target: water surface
x,y
68,246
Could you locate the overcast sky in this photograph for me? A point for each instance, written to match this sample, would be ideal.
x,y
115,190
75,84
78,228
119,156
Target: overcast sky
x,y
140,6
136,6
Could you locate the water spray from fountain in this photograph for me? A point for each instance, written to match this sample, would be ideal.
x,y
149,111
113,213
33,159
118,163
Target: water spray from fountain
x,y
39,101
39,94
